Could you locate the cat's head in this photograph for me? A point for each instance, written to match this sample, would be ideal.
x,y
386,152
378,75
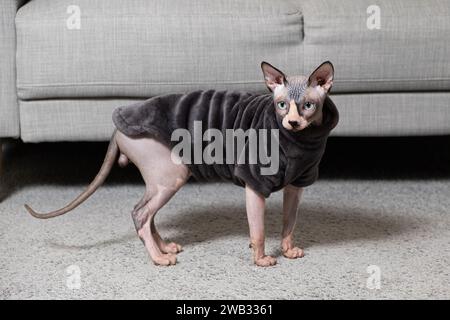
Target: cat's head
x,y
299,100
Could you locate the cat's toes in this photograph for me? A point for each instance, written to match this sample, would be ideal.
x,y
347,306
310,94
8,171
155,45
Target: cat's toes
x,y
173,247
165,259
294,253
265,261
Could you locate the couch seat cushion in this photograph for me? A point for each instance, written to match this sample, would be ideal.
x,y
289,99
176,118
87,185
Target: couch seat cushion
x,y
409,52
140,48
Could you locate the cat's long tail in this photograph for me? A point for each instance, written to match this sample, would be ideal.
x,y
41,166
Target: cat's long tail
x,y
108,163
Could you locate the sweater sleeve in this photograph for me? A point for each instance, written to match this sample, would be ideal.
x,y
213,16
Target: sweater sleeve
x,y
307,178
251,175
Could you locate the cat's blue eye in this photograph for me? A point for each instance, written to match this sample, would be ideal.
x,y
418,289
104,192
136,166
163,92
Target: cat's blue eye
x,y
309,106
282,105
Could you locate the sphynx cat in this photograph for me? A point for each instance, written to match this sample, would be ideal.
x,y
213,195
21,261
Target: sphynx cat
x,y
298,106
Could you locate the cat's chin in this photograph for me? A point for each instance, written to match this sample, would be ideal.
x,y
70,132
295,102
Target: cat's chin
x,y
296,129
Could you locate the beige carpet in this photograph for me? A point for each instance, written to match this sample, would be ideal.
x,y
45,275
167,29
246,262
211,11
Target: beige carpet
x,y
377,204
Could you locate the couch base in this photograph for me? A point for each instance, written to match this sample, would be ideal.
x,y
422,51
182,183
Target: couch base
x,y
390,114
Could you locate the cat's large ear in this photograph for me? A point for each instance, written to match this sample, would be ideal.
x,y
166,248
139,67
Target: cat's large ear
x,y
323,76
272,76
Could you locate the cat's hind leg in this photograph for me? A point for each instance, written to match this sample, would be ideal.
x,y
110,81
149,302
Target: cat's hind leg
x,y
166,247
143,218
163,178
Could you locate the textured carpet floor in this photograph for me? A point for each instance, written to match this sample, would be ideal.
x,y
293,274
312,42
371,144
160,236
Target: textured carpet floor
x,y
378,203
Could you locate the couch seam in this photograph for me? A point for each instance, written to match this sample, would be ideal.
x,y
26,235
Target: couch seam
x,y
22,85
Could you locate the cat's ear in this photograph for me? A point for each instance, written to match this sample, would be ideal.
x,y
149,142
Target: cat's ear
x,y
272,76
323,76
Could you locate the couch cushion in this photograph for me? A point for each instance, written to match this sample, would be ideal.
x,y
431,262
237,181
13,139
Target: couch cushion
x,y
9,109
360,115
140,48
409,52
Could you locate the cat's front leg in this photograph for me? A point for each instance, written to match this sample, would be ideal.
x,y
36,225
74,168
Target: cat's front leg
x,y
291,200
256,205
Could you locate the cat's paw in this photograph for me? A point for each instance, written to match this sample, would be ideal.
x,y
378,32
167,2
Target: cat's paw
x,y
172,247
265,261
165,259
294,253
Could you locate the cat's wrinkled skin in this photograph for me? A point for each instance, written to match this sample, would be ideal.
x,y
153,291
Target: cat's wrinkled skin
x,y
163,178
298,101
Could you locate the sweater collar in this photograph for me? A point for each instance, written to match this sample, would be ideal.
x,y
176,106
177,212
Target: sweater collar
x,y
330,120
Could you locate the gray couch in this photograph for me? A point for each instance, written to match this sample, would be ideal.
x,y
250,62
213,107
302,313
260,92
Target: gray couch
x,y
59,83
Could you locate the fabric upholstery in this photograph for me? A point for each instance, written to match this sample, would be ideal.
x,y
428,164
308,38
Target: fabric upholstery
x,y
69,81
410,51
9,109
389,114
393,114
140,48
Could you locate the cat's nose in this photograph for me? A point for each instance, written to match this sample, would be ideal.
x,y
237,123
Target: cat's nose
x,y
294,124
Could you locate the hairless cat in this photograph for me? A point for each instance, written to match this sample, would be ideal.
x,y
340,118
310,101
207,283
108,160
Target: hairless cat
x,y
298,108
